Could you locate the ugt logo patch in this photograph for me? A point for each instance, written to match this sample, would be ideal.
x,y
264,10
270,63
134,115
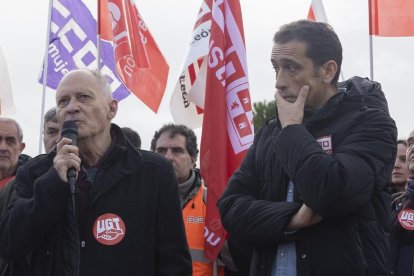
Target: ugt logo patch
x,y
109,229
406,219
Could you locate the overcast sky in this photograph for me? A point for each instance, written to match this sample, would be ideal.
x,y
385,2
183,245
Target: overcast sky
x,y
23,26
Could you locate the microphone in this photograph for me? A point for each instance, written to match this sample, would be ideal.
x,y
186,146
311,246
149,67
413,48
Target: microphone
x,y
69,130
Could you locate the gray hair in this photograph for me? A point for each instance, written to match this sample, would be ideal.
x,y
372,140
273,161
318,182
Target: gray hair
x,y
50,115
19,128
102,81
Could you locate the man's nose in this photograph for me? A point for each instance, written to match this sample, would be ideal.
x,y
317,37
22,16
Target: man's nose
x,y
56,140
169,154
397,164
72,106
3,145
281,80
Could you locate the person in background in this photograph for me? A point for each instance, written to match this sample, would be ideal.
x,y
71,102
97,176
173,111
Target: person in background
x,y
400,172
132,136
51,130
402,216
310,195
11,147
11,158
178,144
122,215
51,134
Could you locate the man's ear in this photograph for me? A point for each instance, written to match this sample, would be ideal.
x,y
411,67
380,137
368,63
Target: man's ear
x,y
328,72
113,108
22,146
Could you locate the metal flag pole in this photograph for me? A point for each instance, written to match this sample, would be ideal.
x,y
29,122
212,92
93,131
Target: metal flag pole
x,y
98,36
371,56
371,59
45,71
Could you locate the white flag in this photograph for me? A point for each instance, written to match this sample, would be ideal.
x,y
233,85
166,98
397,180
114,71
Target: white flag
x,y
6,96
317,12
187,100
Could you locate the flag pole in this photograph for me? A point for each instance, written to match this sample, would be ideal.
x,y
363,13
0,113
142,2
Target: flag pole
x,y
371,55
98,36
371,59
45,71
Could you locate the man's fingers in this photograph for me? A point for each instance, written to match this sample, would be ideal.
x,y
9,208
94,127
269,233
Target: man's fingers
x,y
303,95
279,99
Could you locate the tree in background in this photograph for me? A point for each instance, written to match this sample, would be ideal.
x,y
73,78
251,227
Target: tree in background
x,y
263,111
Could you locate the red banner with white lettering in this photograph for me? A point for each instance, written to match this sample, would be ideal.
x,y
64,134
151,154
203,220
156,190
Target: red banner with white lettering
x,y
391,18
228,119
139,62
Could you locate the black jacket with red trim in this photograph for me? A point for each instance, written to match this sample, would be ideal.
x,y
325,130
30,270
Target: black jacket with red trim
x,y
139,187
344,181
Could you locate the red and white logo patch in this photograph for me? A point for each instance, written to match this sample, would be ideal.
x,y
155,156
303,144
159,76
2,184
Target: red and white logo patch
x,y
326,143
109,229
406,219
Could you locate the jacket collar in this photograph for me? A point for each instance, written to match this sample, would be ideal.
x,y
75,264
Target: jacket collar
x,y
121,159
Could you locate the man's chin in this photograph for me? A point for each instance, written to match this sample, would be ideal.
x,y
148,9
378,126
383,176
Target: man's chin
x,y
399,181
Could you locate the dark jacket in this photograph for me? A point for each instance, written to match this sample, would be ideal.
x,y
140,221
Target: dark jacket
x,y
137,188
339,159
7,194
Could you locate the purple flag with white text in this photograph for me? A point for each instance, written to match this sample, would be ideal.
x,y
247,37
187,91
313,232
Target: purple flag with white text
x,y
72,44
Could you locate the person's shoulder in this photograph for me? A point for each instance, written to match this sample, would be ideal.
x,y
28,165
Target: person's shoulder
x,y
368,92
357,82
268,125
38,163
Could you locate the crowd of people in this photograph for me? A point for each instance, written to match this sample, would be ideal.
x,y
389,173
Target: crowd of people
x,y
326,188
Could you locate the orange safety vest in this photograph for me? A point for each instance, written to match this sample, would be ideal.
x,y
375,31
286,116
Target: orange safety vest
x,y
194,213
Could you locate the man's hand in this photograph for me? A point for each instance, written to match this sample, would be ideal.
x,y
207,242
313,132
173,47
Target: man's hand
x,y
67,156
305,217
291,113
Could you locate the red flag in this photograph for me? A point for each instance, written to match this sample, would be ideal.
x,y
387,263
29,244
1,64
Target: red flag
x,y
317,12
391,17
139,63
228,119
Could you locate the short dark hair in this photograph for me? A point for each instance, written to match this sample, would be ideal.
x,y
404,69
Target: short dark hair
x,y
172,129
50,115
322,42
402,141
132,136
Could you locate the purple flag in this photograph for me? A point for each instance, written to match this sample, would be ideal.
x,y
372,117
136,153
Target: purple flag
x,y
72,44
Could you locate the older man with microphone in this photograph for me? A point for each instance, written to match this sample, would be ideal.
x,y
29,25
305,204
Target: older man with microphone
x,y
125,216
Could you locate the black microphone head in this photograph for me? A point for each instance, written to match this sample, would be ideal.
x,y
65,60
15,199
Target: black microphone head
x,y
70,130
